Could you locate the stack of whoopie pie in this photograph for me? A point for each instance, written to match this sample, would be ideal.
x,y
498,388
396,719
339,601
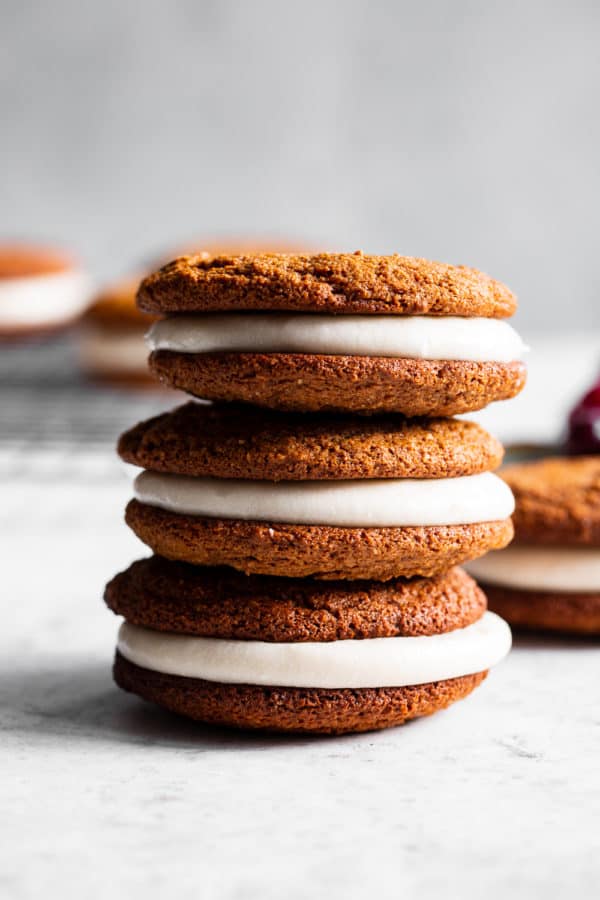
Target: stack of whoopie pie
x,y
309,521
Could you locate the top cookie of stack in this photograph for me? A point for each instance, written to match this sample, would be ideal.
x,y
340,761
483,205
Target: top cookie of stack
x,y
345,332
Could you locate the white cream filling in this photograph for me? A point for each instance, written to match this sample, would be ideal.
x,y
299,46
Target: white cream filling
x,y
361,503
375,662
42,299
105,351
411,337
568,569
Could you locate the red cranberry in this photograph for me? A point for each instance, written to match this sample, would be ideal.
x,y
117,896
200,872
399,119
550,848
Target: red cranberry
x,y
584,423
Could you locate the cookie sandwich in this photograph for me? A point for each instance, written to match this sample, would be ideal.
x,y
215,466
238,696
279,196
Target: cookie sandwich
x,y
327,497
549,579
300,655
343,332
42,289
111,337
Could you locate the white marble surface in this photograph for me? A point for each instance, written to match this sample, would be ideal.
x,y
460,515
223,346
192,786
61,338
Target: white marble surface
x,y
105,796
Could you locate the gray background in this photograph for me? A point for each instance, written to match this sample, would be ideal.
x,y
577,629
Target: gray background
x,y
466,131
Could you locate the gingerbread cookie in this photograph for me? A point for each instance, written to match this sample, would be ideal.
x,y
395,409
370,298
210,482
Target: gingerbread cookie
x,y
323,282
319,551
112,337
289,709
222,441
218,602
550,578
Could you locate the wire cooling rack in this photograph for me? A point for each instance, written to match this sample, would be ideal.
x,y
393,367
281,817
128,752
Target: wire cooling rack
x,y
57,428
46,403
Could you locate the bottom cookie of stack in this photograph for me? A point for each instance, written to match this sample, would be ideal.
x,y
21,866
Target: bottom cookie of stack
x,y
300,655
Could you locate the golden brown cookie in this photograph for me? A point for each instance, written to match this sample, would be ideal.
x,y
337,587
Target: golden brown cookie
x,y
300,382
557,531
230,441
557,501
318,551
577,613
217,602
115,306
301,710
112,348
324,282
